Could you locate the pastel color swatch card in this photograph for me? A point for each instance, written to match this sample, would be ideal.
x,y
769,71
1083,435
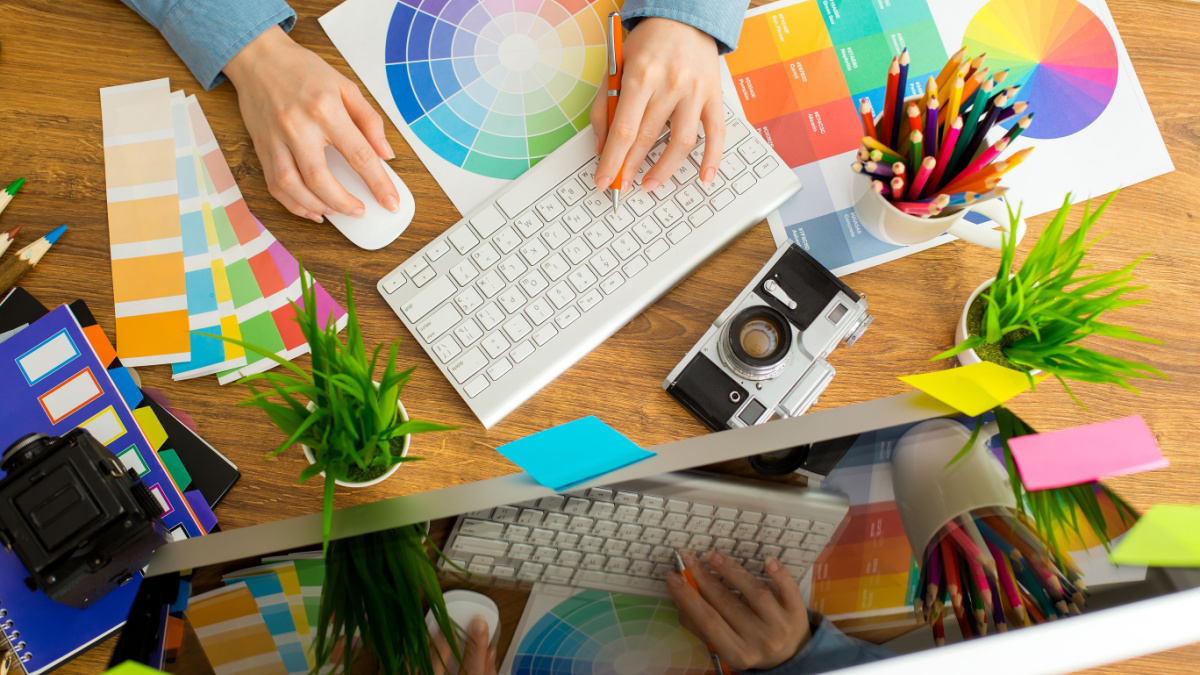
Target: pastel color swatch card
x,y
973,389
233,634
145,239
1086,453
573,452
275,611
289,581
1168,535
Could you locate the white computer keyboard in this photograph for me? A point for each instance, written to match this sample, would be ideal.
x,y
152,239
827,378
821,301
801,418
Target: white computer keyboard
x,y
511,296
621,538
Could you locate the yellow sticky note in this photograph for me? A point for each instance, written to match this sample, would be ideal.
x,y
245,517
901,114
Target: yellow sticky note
x,y
132,668
973,389
1168,535
151,427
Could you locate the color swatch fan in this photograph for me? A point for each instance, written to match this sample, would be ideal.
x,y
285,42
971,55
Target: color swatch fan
x,y
1060,53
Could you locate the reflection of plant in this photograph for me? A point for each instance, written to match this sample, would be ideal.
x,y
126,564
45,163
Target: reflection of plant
x,y
374,597
1036,317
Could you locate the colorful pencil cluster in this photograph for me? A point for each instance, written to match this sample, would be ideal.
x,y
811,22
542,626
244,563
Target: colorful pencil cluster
x,y
930,156
989,566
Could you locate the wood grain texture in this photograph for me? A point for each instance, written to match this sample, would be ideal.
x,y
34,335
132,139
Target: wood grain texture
x,y
57,55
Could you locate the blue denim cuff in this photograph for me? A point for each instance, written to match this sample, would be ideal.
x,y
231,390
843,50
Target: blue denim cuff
x,y
722,19
206,34
828,649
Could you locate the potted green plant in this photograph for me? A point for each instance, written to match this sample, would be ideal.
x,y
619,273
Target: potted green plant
x,y
1034,319
353,429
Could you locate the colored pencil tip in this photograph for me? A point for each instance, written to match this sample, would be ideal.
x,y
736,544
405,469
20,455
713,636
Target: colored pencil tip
x,y
53,236
14,186
12,234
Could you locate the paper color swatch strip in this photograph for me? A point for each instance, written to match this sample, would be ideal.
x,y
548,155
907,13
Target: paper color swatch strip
x,y
143,224
1086,453
233,634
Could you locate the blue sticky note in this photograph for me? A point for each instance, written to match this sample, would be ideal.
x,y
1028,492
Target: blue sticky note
x,y
125,385
574,452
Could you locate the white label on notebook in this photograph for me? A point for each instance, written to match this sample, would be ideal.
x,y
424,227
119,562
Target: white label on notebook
x,y
105,426
53,353
132,459
178,533
161,496
70,396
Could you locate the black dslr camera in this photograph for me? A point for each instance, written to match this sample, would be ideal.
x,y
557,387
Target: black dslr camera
x,y
80,522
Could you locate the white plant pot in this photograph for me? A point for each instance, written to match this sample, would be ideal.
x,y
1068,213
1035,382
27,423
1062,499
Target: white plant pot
x,y
375,481
969,357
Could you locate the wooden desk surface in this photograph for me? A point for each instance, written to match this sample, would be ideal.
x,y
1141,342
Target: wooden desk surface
x,y
57,55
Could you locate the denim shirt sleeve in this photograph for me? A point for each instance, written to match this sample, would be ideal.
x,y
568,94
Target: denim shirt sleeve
x,y
207,33
828,649
721,19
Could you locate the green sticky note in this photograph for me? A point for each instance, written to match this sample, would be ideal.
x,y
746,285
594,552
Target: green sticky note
x,y
132,668
174,466
1168,535
973,389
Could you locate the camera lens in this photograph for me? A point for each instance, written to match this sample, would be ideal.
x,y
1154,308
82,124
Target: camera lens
x,y
756,343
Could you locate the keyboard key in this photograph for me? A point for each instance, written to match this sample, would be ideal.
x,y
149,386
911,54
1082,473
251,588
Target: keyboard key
x,y
774,520
638,551
567,317
689,198
577,251
637,264
551,503
580,525
697,153
676,539
661,554
539,311
653,501
463,239
506,240
665,190
560,295
721,528
430,297
414,266
612,283
745,530
654,251
731,166
678,233
522,352
555,267
768,535
589,300
495,345
545,554
617,565
705,510
667,214
477,545
640,203
556,235
699,542
656,153
424,276
512,268
745,549
528,224
724,545
531,517
716,184
734,133
605,528
468,300
576,219
622,218
791,539
582,278
571,191
504,572
698,524
814,542
590,544
685,173
629,532
468,332
505,514
533,283
569,558
823,528
566,539
555,521
576,506
469,364
511,300
517,328
598,233
533,251
677,506
481,528
752,151
446,349
614,547
545,334
530,571
765,167
550,208
597,203
674,521
650,516
726,512
464,272
487,221
626,513
646,231
603,262
394,282
752,517
485,256
599,493
490,283
437,249
723,199
520,551
744,182
701,216
624,246
439,322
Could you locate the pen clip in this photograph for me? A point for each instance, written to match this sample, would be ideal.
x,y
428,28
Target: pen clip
x,y
611,42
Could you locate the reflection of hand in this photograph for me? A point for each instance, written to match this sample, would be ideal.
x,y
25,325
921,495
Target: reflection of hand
x,y
294,104
478,659
760,630
672,72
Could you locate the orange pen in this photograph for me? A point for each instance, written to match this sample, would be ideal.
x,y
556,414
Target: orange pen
x,y
687,576
615,67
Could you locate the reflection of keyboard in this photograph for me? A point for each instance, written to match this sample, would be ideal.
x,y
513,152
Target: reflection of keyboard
x,y
513,295
622,538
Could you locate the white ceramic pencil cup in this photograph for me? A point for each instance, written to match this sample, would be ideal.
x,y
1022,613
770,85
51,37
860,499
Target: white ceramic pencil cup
x,y
891,225
929,494
463,606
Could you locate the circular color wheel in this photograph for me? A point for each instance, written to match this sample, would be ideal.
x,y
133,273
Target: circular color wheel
x,y
1060,53
593,632
493,86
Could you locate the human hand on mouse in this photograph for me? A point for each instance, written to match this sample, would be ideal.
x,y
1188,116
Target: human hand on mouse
x,y
671,73
478,658
759,630
295,104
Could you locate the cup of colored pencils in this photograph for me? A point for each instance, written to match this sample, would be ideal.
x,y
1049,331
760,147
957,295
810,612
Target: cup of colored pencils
x,y
928,155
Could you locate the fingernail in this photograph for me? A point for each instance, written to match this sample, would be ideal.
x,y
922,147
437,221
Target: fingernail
x,y
358,212
709,174
391,203
315,217
329,211
674,580
772,565
624,186
479,627
649,184
603,182
391,154
716,559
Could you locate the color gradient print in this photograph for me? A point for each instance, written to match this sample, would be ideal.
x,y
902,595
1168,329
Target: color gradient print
x,y
597,632
1058,51
494,86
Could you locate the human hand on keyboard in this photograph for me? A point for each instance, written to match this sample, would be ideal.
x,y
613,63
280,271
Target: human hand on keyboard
x,y
759,630
477,658
671,72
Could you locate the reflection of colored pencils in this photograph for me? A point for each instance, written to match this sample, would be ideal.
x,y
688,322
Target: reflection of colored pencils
x,y
889,110
939,628
26,258
901,88
922,177
953,583
9,192
943,157
8,238
868,118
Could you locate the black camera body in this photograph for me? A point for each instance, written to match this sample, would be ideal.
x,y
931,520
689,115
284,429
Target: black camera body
x,y
79,521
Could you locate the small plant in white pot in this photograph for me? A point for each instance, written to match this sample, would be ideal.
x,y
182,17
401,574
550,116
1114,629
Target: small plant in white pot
x,y
353,429
1034,318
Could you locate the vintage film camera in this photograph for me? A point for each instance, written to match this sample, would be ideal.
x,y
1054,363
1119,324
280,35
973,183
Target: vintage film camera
x,y
80,522
764,357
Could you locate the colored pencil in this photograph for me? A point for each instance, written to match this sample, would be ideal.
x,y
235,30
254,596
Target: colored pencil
x,y
971,121
879,169
971,88
976,139
955,101
931,127
987,156
880,188
975,180
914,122
1005,574
868,118
898,101
935,571
943,157
976,64
951,66
1015,160
939,628
1012,111
921,176
953,584
944,92
1000,76
1021,125
8,238
889,110
873,144
864,155
25,259
916,151
898,187
7,194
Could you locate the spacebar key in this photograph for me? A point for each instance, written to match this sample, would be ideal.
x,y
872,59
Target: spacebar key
x,y
431,296
476,545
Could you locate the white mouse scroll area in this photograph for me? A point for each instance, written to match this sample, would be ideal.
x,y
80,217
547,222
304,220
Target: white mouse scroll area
x,y
377,227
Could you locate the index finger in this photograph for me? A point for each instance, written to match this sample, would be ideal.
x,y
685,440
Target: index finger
x,y
755,592
695,610
621,134
348,139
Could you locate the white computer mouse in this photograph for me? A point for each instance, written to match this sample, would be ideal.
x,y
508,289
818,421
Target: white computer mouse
x,y
377,227
463,606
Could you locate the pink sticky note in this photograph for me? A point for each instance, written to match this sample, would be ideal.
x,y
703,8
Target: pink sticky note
x,y
1083,454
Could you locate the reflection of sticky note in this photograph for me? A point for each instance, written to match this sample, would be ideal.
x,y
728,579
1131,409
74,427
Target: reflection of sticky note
x,y
175,467
973,389
1087,453
132,668
201,509
1168,535
572,453
126,386
151,427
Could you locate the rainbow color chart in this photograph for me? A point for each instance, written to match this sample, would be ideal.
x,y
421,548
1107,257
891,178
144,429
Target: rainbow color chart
x,y
1066,62
598,632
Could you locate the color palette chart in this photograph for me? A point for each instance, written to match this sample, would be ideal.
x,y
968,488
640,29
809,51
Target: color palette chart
x,y
233,633
482,90
598,632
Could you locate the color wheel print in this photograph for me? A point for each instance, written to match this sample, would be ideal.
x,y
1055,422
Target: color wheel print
x,y
1060,53
493,86
593,632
